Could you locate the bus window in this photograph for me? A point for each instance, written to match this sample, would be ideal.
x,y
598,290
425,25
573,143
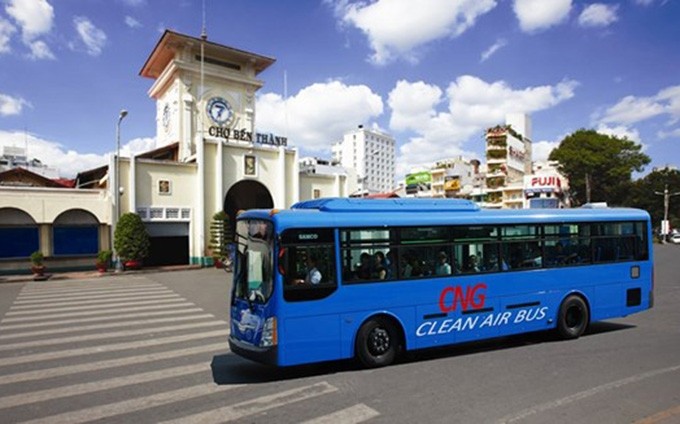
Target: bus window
x,y
307,264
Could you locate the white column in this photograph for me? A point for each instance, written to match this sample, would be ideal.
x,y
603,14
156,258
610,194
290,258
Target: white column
x,y
133,183
199,217
219,171
281,185
296,178
112,184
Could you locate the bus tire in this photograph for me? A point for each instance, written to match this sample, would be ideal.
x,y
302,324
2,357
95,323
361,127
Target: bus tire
x,y
378,342
573,318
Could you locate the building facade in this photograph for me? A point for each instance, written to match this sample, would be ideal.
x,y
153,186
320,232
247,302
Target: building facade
x,y
372,154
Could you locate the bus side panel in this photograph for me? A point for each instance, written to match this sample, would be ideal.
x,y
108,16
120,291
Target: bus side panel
x,y
625,296
310,339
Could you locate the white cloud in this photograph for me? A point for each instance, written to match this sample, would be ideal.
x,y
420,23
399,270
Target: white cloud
x,y
499,44
132,22
412,103
6,31
397,28
631,109
536,15
93,37
40,50
540,150
473,105
34,16
669,134
67,162
138,145
598,15
319,114
620,131
11,105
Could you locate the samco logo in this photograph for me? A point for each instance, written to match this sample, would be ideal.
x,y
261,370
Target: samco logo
x,y
470,297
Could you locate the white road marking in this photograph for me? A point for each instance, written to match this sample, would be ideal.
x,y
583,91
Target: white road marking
x,y
83,286
585,394
94,307
64,370
24,298
119,311
255,406
133,405
352,415
99,385
106,336
31,358
98,302
76,329
52,323
91,298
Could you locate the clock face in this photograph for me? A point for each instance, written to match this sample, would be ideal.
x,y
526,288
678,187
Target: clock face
x,y
220,111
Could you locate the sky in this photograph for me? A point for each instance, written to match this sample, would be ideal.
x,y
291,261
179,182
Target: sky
x,y
432,73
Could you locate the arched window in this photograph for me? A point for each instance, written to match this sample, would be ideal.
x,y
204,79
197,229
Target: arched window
x,y
75,232
19,236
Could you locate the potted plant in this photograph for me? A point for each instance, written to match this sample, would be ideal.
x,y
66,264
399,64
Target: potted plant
x,y
37,266
103,260
131,240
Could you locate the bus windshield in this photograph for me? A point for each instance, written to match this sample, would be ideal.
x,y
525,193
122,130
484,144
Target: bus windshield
x,y
254,264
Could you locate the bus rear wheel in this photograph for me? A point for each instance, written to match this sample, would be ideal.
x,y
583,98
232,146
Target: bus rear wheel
x,y
378,342
573,317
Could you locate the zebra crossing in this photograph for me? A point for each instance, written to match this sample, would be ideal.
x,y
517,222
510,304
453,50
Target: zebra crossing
x,y
134,351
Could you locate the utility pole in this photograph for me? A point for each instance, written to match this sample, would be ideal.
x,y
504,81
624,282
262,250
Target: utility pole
x,y
666,202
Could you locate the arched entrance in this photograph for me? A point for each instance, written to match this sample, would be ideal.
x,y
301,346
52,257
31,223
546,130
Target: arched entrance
x,y
246,194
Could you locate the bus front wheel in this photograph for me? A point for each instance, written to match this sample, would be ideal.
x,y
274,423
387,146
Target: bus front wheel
x,y
378,342
573,317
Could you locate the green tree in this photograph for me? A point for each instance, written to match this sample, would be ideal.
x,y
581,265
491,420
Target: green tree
x,y
131,240
599,166
644,195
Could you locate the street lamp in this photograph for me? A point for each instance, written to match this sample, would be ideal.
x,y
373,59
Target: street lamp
x,y
116,187
666,201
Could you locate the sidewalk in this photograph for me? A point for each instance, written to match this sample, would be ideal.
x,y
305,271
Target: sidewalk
x,y
79,275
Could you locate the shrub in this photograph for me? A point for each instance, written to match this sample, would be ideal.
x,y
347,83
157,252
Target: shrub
x,y
131,239
37,258
104,257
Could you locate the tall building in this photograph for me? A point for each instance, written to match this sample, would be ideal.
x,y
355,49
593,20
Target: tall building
x,y
372,154
508,157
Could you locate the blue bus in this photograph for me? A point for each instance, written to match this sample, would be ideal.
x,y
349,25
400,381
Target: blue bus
x,y
338,278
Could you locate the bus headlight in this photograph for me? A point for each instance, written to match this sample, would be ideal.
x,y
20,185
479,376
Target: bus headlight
x,y
269,337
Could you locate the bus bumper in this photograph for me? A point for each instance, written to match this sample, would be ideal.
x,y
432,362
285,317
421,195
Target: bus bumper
x,y
263,355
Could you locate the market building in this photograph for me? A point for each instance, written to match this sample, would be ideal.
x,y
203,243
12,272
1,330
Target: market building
x,y
210,158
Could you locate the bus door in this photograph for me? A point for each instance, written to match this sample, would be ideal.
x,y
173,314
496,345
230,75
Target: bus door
x,y
309,323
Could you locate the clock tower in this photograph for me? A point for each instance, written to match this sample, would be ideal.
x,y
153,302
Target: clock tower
x,y
200,85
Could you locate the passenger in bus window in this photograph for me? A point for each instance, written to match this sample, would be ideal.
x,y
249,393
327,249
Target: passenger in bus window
x,y
379,271
473,264
313,275
534,257
442,267
363,271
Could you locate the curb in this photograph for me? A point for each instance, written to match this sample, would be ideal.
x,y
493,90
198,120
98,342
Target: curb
x,y
96,274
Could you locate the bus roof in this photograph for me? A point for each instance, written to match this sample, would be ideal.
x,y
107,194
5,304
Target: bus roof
x,y
360,212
